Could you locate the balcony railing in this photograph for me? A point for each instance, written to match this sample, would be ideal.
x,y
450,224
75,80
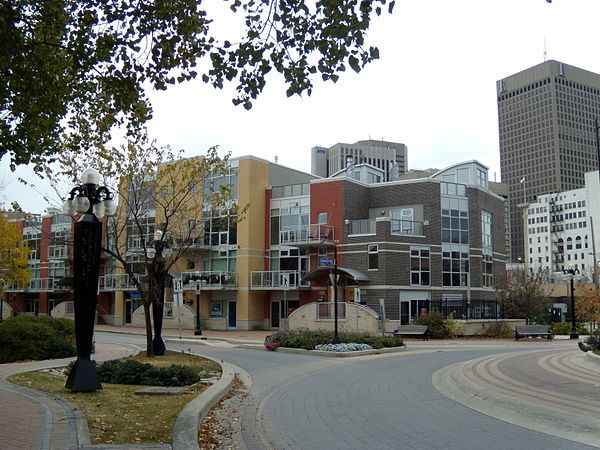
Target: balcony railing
x,y
276,279
119,282
364,226
210,279
406,227
306,235
59,252
42,285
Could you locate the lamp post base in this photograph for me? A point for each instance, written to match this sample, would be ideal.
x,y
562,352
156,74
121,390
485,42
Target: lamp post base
x,y
158,346
574,335
197,332
83,377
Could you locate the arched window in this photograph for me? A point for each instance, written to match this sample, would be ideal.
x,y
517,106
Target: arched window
x,y
578,242
569,243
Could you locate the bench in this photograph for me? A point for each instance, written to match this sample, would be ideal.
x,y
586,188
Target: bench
x,y
412,330
533,331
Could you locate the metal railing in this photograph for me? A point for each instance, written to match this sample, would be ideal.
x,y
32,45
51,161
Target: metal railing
x,y
59,252
210,279
276,279
406,227
306,234
119,282
42,285
362,226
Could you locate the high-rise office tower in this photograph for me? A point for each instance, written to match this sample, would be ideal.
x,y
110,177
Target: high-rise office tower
x,y
547,135
383,154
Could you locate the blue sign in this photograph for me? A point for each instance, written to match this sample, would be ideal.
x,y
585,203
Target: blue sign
x,y
325,261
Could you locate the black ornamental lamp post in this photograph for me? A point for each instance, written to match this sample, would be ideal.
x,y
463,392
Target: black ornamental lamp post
x,y
572,274
93,202
158,251
334,278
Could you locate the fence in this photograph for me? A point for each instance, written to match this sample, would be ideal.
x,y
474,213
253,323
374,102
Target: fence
x,y
475,309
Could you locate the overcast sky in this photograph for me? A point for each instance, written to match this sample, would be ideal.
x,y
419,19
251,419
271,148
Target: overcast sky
x,y
433,89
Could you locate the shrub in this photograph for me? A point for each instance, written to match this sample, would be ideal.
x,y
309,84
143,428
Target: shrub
x,y
35,338
435,324
308,340
566,327
498,329
452,327
594,340
135,372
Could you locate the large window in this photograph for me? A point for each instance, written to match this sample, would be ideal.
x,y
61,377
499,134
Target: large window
x,y
373,256
455,268
402,220
455,226
419,267
487,249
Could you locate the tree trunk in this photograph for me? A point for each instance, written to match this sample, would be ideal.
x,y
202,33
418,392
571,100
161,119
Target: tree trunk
x,y
149,346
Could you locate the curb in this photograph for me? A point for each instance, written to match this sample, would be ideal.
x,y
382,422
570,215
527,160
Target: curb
x,y
591,356
185,431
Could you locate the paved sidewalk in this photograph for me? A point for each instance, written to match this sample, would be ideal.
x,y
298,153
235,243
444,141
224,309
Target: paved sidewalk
x,y
241,337
34,420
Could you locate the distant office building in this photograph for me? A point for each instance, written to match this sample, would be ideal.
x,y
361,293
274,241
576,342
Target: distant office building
x,y
547,135
381,154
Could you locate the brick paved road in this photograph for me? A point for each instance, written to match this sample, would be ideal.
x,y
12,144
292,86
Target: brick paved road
x,y
376,402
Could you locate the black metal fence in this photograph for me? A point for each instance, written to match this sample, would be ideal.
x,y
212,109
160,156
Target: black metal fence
x,y
475,309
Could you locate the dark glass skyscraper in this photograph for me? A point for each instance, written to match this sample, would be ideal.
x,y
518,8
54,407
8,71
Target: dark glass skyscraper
x,y
547,135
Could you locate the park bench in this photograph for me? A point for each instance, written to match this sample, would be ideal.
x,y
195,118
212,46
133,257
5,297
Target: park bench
x,y
533,331
412,330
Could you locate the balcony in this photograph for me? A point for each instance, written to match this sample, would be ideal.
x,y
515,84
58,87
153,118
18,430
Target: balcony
x,y
212,280
362,227
307,235
276,280
59,252
43,285
406,228
119,282
191,242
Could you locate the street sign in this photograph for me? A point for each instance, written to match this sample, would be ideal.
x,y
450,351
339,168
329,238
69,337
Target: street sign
x,y
325,261
177,285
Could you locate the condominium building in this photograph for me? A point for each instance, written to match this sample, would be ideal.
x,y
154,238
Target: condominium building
x,y
385,155
547,135
405,247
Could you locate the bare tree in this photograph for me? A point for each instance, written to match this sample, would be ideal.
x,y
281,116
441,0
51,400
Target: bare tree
x,y
524,294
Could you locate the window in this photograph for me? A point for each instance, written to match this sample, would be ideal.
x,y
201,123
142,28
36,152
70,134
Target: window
x,y
322,218
455,268
419,267
402,220
373,257
455,226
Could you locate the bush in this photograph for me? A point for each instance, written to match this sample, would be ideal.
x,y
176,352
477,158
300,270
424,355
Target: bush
x,y
434,321
565,328
308,340
498,329
144,374
594,340
36,338
452,327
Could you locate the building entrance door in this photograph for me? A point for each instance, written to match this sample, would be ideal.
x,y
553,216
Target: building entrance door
x,y
231,315
274,314
409,309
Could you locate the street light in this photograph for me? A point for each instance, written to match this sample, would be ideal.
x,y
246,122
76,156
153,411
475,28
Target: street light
x,y
572,274
158,251
199,283
94,202
333,277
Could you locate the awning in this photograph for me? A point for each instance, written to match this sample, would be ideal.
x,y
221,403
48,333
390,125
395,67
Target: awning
x,y
350,275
